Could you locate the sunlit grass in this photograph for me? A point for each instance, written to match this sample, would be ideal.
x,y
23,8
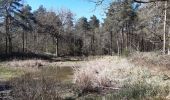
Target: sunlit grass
x,y
133,82
7,73
116,77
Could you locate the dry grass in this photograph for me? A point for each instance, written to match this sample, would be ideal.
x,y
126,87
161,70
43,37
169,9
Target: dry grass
x,y
7,73
141,84
155,61
27,63
36,63
119,74
101,73
98,74
46,84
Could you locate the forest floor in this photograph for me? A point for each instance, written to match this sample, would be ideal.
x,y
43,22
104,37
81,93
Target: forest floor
x,y
147,69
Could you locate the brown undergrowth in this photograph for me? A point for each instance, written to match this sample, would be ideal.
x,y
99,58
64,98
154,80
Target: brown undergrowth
x,y
155,61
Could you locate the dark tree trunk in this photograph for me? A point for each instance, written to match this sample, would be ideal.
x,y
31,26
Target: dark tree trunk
x,y
26,41
10,44
7,33
6,45
23,41
111,42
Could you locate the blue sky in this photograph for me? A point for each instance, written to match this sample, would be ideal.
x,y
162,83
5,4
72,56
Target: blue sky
x,y
78,7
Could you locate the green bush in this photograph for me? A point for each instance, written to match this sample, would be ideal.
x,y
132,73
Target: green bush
x,y
125,53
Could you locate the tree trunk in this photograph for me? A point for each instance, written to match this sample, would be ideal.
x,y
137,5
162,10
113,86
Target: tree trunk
x,y
164,34
118,48
26,42
8,37
6,45
10,44
57,46
123,40
111,41
127,37
23,41
93,49
46,44
7,31
168,28
169,41
56,49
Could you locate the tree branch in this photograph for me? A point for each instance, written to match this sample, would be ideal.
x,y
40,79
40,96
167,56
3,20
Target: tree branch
x,y
150,1
98,2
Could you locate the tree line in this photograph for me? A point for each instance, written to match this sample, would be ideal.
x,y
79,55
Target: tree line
x,y
129,26
138,25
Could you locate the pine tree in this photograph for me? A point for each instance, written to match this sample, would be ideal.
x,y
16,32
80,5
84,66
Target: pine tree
x,y
10,9
94,25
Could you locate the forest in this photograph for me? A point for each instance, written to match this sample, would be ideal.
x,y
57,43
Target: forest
x,y
120,57
128,27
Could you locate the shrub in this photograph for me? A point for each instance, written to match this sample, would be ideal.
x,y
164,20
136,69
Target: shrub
x,y
100,74
43,85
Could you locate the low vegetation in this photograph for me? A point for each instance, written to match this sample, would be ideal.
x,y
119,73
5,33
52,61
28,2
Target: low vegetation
x,y
7,73
153,60
27,63
123,79
108,77
99,74
47,84
43,52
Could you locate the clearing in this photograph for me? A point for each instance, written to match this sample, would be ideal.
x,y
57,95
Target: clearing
x,y
107,75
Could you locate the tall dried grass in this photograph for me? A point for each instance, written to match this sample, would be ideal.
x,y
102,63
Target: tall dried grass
x,y
152,59
102,73
46,84
119,74
27,63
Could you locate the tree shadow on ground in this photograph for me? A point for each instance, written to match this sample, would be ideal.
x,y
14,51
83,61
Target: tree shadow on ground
x,y
31,55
